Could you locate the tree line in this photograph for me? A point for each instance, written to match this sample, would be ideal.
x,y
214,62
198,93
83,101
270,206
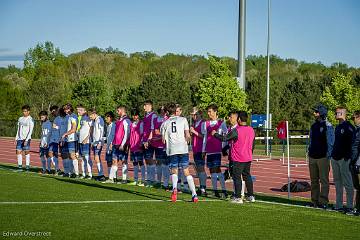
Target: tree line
x,y
104,78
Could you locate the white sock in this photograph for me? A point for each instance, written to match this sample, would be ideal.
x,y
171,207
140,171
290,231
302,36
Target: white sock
x,y
166,174
142,167
124,171
202,178
136,172
214,181
49,164
242,188
113,170
88,165
159,173
174,179
56,162
191,183
222,181
83,168
27,160
43,163
19,159
100,169
75,163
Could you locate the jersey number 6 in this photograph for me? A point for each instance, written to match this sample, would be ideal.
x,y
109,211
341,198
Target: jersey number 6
x,y
173,127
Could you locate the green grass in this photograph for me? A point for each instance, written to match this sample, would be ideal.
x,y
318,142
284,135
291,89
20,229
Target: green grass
x,y
297,151
153,220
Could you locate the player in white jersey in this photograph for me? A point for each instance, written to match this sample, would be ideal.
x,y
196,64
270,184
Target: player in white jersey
x,y
97,141
110,133
62,131
25,126
55,138
84,143
176,135
45,142
69,138
182,178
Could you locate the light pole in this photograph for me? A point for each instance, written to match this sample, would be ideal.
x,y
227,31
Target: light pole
x,y
241,44
268,121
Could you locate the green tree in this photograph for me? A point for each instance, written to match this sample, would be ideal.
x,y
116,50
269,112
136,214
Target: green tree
x,y
341,93
221,88
93,92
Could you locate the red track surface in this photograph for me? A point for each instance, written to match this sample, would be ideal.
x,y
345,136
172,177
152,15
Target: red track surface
x,y
270,175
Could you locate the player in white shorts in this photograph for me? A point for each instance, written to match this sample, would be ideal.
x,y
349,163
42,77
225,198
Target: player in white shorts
x,y
176,135
23,137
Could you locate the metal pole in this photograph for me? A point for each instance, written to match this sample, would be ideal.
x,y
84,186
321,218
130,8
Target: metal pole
x,y
241,44
288,156
268,83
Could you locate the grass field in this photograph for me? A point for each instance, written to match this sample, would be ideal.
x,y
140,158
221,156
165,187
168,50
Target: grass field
x,y
80,209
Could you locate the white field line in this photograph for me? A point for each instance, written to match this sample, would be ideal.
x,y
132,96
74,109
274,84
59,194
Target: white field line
x,y
146,201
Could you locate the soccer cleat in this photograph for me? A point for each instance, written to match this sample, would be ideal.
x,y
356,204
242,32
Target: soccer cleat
x,y
109,181
141,184
217,194
88,177
27,168
43,172
250,199
48,172
101,178
225,194
174,195
82,177
195,199
237,200
135,183
66,175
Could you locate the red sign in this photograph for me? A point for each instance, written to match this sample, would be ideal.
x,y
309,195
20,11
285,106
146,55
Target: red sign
x,y
281,130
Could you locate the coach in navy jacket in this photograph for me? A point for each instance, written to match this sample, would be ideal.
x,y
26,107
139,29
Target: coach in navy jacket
x,y
320,149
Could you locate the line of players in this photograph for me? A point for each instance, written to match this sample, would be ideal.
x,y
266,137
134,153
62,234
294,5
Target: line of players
x,y
157,145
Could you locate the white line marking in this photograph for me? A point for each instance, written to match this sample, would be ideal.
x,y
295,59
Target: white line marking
x,y
102,201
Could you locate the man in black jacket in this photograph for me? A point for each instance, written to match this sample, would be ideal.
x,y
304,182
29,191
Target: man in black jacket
x,y
340,161
320,148
355,162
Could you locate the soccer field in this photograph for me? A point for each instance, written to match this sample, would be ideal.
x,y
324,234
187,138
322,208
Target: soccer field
x,y
82,209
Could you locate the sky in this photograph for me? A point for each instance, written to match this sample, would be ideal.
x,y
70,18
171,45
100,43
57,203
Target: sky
x,y
325,31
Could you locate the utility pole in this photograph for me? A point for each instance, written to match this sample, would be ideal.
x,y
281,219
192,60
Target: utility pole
x,y
241,44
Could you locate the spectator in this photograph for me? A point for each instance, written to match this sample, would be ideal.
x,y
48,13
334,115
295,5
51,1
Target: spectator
x,y
320,149
340,161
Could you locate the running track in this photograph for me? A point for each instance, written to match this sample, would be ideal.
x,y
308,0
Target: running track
x,y
270,175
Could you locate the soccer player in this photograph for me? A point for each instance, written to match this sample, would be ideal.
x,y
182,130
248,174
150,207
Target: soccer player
x,y
44,143
198,148
97,141
62,131
120,145
241,149
180,172
149,150
176,136
213,148
110,133
162,168
69,138
84,142
55,138
25,126
136,150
